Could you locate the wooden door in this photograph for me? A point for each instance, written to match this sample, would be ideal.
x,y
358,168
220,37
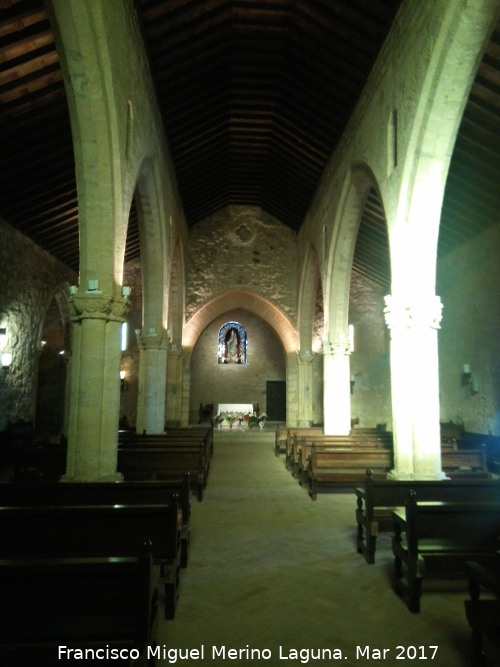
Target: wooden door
x,y
276,400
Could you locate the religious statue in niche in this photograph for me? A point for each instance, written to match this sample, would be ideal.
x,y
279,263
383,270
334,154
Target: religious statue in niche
x,y
232,344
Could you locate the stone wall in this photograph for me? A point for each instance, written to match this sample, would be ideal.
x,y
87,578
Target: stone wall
x,y
29,278
370,361
242,247
468,282
212,382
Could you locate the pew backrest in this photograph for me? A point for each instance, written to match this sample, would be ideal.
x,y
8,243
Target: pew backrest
x,y
82,601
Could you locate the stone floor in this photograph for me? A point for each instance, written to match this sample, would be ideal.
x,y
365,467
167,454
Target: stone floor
x,y
270,568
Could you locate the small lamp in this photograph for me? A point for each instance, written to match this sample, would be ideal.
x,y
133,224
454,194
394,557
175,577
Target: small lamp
x,y
123,382
469,380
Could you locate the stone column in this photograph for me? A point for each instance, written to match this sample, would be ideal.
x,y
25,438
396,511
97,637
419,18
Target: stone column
x,y
413,325
67,392
337,386
95,387
173,408
152,381
304,361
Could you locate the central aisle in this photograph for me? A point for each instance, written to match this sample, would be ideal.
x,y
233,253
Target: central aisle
x,y
269,568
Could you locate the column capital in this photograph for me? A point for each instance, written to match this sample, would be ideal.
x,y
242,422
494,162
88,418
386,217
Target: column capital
x,y
98,307
409,313
304,358
174,351
340,346
152,341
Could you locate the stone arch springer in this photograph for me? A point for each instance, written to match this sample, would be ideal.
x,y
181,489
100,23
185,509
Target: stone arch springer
x,y
241,299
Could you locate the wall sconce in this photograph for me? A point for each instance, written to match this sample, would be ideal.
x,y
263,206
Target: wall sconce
x,y
6,362
126,291
353,382
6,356
123,382
3,337
468,380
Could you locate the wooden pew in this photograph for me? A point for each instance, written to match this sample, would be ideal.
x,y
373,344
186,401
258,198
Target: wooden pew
x,y
331,467
483,613
345,466
439,537
297,433
192,431
280,436
377,498
180,434
93,603
97,531
164,463
105,493
357,438
48,461
177,444
459,462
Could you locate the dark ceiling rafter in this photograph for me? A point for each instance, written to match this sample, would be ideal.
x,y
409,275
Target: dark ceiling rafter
x,y
254,96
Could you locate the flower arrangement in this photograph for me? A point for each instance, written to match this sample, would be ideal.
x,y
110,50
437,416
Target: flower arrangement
x,y
261,420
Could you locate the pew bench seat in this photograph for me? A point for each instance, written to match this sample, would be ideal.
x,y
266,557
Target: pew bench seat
x,y
41,493
438,538
377,498
75,602
164,463
483,608
98,531
342,466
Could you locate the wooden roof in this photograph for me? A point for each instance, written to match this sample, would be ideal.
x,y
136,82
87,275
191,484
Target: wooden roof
x,y
254,95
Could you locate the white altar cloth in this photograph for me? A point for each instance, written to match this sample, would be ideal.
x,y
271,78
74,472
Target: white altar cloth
x,y
235,408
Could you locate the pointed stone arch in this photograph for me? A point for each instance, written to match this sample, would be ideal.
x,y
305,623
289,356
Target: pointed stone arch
x,y
236,299
357,185
51,398
356,188
153,247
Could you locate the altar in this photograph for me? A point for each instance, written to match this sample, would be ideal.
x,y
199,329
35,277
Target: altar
x,y
234,408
